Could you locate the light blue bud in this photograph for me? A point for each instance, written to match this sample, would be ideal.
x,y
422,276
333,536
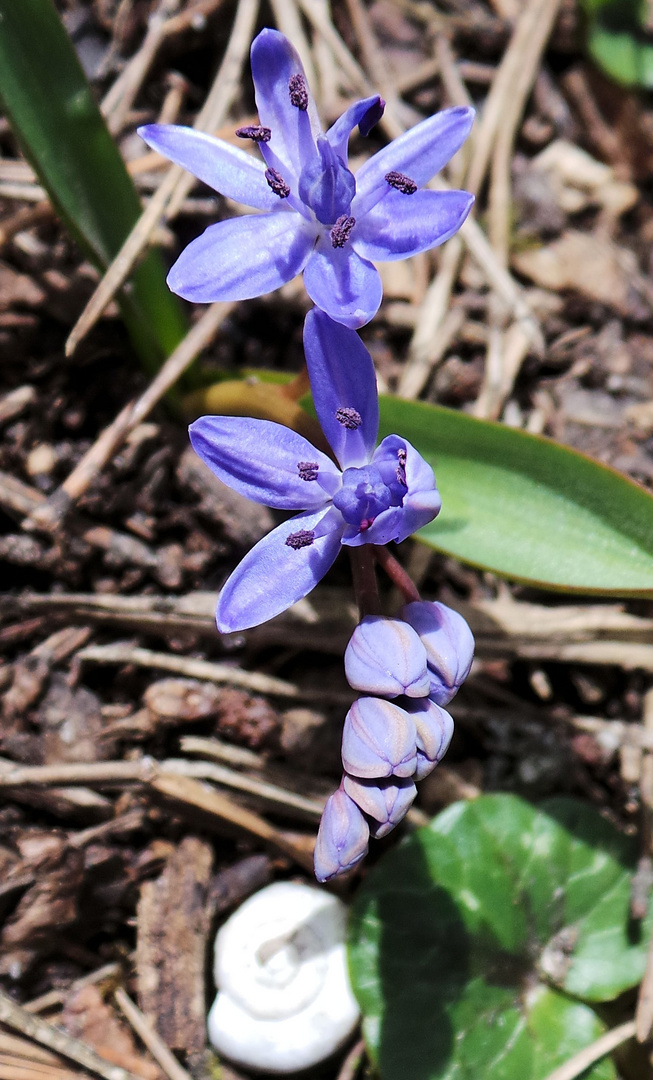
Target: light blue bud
x,y
449,645
379,739
386,656
434,728
385,801
342,839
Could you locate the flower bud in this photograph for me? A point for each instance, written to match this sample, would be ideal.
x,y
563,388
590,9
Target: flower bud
x,y
378,739
342,838
385,656
434,728
386,801
449,645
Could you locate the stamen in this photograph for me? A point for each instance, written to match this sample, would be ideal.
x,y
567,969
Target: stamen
x,y
341,231
400,472
401,182
349,418
277,183
254,132
308,470
303,538
298,92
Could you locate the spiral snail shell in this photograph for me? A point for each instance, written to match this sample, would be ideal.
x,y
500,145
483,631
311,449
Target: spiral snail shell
x,y
284,1001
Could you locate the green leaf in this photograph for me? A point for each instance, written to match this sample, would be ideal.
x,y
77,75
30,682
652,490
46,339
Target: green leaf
x,y
467,941
618,40
528,508
62,133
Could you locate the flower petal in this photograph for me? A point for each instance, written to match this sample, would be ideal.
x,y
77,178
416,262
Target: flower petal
x,y
273,575
342,284
294,130
419,154
266,462
401,225
242,257
225,168
344,388
364,114
342,838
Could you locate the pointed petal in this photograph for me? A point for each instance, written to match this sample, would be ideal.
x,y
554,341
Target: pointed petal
x,y
274,62
419,154
242,257
342,838
273,576
363,114
401,225
263,461
225,168
344,388
342,284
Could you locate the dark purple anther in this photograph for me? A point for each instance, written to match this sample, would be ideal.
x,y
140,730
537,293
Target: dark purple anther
x,y
341,230
303,538
401,182
401,468
307,470
349,418
298,92
254,132
277,183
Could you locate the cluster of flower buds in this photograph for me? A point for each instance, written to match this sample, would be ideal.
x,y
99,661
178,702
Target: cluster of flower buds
x,y
407,668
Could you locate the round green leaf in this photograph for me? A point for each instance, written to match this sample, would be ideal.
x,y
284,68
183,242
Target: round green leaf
x,y
528,508
467,941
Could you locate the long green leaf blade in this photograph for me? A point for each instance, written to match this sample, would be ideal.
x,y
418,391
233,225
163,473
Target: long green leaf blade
x,y
53,113
528,508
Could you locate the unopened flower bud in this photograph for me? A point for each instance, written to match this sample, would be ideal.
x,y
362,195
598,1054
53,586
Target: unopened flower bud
x,y
385,801
342,839
449,645
434,728
386,656
378,739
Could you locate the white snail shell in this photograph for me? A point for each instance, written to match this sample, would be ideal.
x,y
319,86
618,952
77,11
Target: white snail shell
x,y
284,1000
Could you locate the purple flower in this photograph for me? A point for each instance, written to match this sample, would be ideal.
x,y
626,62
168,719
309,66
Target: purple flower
x,y
379,739
376,496
449,645
385,801
434,728
342,839
386,656
317,217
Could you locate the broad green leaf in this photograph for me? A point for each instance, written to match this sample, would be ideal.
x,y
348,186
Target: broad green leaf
x,y
528,508
468,941
619,41
54,116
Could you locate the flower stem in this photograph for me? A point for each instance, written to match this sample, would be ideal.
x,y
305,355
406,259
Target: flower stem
x,y
396,573
366,588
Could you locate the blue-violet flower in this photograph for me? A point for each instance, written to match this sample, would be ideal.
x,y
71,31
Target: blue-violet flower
x,y
386,656
317,216
374,497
